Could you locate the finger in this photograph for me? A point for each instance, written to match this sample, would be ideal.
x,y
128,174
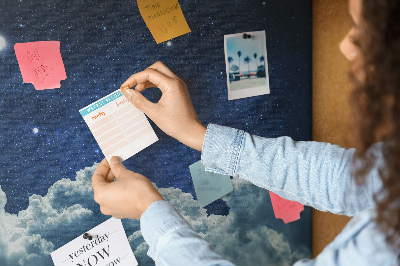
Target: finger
x,y
110,177
160,67
140,102
100,174
159,80
117,167
142,86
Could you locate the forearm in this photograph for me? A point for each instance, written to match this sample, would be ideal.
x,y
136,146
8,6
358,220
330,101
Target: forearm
x,y
173,241
312,173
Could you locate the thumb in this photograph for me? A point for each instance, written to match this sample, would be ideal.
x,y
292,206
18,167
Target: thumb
x,y
138,100
117,167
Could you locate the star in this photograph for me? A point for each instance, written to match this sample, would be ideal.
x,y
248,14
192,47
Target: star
x,y
35,130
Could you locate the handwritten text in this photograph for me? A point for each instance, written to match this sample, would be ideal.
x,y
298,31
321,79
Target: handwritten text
x,y
164,11
100,114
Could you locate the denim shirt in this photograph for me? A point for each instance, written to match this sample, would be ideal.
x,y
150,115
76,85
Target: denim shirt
x,y
312,173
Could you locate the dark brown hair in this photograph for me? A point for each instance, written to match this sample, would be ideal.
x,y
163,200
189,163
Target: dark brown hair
x,y
375,102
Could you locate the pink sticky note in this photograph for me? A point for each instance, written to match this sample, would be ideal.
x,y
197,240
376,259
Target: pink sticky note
x,y
288,211
41,64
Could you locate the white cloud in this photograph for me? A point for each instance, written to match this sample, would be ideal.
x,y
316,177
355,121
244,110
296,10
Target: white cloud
x,y
240,237
68,209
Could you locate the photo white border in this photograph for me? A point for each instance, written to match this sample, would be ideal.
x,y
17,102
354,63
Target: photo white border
x,y
248,92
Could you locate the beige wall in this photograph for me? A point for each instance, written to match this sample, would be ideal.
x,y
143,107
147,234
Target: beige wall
x,y
331,89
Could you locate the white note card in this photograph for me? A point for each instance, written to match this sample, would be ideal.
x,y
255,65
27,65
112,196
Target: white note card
x,y
118,126
108,247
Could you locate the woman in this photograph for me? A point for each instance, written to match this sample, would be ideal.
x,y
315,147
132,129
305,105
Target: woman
x,y
316,174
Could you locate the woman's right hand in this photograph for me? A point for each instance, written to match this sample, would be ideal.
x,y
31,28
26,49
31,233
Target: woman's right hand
x,y
173,113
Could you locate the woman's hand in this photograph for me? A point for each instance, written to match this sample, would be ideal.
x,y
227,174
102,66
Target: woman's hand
x,y
173,113
128,196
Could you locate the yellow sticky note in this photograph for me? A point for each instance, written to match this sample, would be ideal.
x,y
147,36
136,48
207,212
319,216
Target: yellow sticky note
x,y
164,18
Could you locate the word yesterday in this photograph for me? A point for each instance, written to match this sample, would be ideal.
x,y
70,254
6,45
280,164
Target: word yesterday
x,y
89,246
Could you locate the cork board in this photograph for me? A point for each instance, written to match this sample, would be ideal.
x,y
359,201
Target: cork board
x,y
49,154
331,89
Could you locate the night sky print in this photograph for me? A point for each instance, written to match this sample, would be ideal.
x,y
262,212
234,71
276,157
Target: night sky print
x,y
48,153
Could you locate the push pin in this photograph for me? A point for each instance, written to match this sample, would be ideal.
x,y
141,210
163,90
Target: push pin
x,y
246,36
87,236
125,88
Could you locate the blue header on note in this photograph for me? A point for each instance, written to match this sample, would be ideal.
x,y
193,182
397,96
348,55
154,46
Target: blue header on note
x,y
100,103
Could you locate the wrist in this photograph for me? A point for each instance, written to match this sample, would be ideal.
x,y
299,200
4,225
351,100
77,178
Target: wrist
x,y
149,202
196,136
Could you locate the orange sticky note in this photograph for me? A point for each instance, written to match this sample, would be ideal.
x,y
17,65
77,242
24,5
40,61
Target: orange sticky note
x,y
288,211
41,64
164,18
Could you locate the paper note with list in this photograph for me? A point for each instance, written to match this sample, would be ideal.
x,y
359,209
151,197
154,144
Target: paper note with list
x,y
118,126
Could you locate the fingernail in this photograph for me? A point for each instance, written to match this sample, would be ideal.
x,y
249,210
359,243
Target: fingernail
x,y
115,160
129,93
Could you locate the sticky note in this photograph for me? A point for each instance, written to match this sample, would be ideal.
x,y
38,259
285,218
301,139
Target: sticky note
x,y
209,186
108,246
164,18
118,126
288,211
41,64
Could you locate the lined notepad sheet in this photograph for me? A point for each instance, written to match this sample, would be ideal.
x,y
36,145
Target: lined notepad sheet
x,y
118,126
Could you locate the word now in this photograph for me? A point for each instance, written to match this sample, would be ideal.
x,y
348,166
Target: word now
x,y
93,259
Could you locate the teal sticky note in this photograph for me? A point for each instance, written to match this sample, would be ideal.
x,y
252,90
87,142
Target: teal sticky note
x,y
209,186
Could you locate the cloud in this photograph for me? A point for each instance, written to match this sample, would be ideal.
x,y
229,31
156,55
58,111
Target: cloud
x,y
240,237
68,210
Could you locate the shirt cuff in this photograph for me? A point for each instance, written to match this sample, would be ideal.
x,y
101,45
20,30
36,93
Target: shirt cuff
x,y
158,219
221,149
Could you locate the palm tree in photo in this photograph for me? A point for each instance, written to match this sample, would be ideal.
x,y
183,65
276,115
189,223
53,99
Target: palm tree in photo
x,y
262,59
247,60
230,59
255,60
239,54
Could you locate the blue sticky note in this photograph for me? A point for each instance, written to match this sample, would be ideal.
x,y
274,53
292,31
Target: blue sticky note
x,y
209,186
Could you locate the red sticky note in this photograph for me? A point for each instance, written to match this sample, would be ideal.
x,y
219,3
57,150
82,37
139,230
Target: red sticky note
x,y
41,64
288,211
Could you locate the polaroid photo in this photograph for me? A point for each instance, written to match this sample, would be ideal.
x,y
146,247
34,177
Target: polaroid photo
x,y
246,64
